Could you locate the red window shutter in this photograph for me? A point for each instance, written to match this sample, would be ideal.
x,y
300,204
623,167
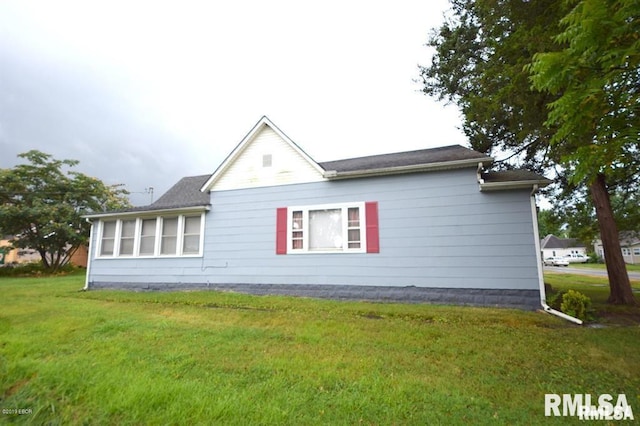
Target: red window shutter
x,y
281,231
373,237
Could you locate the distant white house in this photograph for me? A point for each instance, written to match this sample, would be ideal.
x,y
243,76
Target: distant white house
x,y
629,244
562,247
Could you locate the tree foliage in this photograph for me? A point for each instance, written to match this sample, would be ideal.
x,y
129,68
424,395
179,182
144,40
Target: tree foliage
x,y
596,116
596,77
41,204
480,53
579,119
550,223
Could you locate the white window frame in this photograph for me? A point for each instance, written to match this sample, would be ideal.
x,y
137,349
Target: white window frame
x,y
182,223
158,237
345,228
120,229
100,238
155,236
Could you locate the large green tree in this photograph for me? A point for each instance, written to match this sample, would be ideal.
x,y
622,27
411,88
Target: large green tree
x,y
482,63
41,204
480,52
597,114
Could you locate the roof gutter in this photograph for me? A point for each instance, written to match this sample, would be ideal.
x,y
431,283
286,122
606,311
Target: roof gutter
x,y
430,167
150,212
543,297
499,186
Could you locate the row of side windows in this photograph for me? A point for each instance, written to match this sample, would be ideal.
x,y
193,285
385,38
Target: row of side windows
x,y
179,235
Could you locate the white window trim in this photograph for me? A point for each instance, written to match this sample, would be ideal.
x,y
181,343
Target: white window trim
x,y
345,224
99,240
139,237
158,238
118,237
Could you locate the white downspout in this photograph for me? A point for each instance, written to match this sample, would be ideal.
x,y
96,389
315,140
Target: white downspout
x,y
89,255
543,296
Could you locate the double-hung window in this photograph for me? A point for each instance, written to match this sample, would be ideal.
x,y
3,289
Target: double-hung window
x,y
191,235
107,243
330,228
127,237
147,237
169,238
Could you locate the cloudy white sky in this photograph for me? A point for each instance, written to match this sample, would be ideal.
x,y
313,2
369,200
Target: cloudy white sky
x,y
145,92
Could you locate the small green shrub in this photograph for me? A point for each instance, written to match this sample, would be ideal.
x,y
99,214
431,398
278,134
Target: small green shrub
x,y
594,258
554,296
576,304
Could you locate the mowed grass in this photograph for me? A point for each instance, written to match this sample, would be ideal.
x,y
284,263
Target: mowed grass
x,y
597,288
112,357
602,266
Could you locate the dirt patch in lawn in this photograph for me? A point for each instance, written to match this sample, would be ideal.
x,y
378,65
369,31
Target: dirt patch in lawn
x,y
619,315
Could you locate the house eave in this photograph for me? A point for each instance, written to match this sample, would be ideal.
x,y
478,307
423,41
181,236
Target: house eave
x,y
416,168
503,186
150,212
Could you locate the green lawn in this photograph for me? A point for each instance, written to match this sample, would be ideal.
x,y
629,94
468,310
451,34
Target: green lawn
x,y
109,357
602,266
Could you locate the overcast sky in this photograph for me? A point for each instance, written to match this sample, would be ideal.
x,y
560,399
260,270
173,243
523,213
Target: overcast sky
x,y
146,92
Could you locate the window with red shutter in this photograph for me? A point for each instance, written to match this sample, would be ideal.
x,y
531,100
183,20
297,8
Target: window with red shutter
x,y
373,237
328,228
281,230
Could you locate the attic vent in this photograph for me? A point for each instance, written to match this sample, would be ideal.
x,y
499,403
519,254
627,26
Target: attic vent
x,y
266,160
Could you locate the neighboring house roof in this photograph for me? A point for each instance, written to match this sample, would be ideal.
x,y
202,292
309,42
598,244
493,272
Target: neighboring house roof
x,y
627,239
553,242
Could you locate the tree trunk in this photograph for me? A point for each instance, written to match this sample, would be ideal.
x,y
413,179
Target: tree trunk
x,y
43,257
619,284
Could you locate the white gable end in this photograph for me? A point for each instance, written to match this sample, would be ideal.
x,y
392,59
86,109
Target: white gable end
x,y
265,158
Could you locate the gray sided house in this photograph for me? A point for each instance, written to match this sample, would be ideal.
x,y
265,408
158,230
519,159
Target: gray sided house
x,y
428,225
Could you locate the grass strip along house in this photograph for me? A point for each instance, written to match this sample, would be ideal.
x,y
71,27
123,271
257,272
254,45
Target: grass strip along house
x,y
429,225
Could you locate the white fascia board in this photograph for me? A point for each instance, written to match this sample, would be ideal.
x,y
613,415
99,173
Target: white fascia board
x,y
521,184
237,151
431,167
138,213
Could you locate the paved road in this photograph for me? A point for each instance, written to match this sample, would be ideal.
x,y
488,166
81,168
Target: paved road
x,y
584,271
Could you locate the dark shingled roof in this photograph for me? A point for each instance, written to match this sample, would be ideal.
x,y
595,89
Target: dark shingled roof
x,y
410,158
185,193
553,242
513,176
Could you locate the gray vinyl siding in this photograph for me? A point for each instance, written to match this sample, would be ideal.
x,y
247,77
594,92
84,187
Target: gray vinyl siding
x,y
436,230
